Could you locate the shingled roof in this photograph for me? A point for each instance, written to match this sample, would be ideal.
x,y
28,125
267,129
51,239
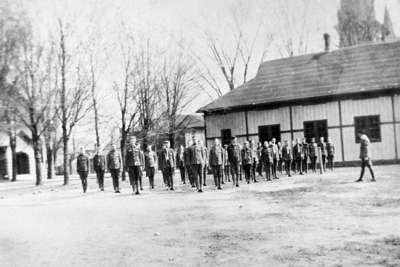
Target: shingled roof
x,y
364,68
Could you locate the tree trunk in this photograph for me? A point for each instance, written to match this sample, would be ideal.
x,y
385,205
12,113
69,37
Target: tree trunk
x,y
122,144
65,162
38,162
13,147
49,156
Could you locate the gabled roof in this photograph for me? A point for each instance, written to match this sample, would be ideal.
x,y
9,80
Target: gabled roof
x,y
364,68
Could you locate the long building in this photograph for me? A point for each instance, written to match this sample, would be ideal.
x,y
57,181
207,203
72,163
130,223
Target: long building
x,y
332,93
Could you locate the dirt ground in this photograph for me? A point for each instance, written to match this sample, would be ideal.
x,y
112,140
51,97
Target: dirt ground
x,y
313,220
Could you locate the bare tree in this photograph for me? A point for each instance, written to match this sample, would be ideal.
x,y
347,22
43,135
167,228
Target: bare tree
x,y
34,98
13,29
178,80
74,94
125,93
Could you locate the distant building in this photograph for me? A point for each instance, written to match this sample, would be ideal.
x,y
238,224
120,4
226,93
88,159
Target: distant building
x,y
333,94
25,155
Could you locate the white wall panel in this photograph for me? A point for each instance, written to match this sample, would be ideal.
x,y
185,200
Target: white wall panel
x,y
267,117
374,106
334,134
234,121
327,111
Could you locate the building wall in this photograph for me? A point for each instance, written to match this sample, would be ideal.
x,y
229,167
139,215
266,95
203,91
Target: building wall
x,y
382,106
234,121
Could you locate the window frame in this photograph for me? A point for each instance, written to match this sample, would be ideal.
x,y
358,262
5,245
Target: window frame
x,y
269,132
315,128
369,126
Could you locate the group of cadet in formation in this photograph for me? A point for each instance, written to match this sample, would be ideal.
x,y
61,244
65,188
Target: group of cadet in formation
x,y
228,163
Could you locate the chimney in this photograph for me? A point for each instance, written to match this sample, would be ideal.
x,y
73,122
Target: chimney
x,y
327,39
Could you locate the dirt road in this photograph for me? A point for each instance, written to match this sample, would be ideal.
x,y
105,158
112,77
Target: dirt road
x,y
308,220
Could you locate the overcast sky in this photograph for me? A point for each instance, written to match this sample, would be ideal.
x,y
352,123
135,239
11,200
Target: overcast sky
x,y
166,21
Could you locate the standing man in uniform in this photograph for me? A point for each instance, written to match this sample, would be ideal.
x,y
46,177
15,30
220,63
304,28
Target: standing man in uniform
x,y
227,166
322,146
259,165
298,154
114,165
188,168
135,161
287,157
330,150
150,159
267,160
216,161
306,153
180,162
254,162
82,167
247,160
168,164
197,162
205,166
275,154
365,157
235,160
99,164
313,154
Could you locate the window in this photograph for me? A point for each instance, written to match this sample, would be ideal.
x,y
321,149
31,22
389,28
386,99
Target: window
x,y
22,163
370,125
267,132
315,129
226,136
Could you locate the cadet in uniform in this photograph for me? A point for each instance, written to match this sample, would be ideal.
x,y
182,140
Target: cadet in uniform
x,y
267,160
134,160
197,162
322,146
227,166
330,150
254,162
114,166
276,159
186,156
99,164
298,154
82,167
216,161
180,162
168,164
313,154
247,160
365,157
205,166
306,153
259,165
150,159
235,159
287,157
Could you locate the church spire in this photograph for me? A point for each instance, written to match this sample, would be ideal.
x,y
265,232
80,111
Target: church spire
x,y
387,26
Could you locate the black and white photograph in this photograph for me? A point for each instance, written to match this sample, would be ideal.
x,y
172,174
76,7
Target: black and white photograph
x,y
199,133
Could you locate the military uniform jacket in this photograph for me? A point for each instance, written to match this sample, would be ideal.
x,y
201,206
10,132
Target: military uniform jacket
x,y
364,150
234,154
266,155
275,151
254,154
113,160
180,158
226,161
150,159
196,155
306,151
82,163
330,149
322,145
298,152
217,156
134,157
186,156
287,153
99,163
167,158
313,149
247,156
205,153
